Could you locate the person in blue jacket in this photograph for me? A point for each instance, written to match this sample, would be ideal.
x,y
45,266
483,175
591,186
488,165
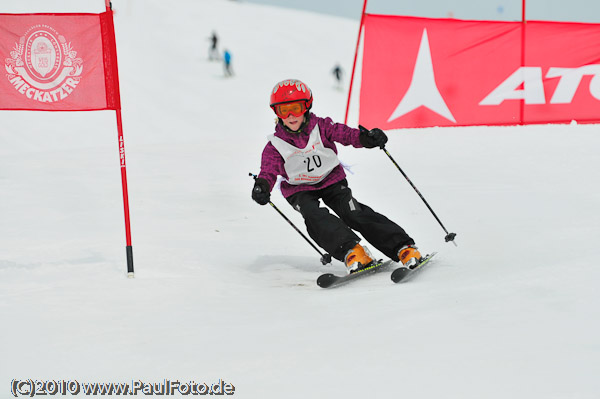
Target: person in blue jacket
x,y
227,61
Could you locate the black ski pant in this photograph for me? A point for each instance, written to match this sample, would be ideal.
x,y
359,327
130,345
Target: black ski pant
x,y
335,234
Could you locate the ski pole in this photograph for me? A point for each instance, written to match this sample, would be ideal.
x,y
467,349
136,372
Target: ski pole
x,y
325,257
449,236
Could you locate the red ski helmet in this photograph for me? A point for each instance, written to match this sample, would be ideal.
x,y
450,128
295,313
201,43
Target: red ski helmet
x,y
291,90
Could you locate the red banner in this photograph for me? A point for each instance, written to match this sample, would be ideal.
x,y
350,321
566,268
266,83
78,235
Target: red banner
x,y
420,72
58,62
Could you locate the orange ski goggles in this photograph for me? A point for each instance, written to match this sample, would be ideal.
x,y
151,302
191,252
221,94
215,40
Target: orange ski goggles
x,y
297,108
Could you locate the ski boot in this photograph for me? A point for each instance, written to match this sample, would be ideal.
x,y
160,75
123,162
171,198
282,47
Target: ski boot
x,y
357,258
409,256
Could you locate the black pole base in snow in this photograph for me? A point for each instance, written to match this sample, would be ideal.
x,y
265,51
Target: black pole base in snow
x,y
450,238
326,259
129,251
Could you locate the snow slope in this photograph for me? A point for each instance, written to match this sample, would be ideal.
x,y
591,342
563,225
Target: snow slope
x,y
225,289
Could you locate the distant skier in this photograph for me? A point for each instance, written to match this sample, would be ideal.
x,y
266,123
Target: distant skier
x,y
302,150
213,52
227,63
337,73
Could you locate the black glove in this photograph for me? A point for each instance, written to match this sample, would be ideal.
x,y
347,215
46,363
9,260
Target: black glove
x,y
372,138
260,191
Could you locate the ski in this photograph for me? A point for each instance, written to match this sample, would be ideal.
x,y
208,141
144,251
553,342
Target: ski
x,y
404,273
328,280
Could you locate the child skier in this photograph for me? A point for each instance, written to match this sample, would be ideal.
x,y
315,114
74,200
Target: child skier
x,y
302,150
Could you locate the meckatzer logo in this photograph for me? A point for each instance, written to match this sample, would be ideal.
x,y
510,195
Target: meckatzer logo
x,y
43,66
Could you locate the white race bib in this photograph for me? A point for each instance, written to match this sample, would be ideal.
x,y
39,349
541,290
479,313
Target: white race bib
x,y
309,165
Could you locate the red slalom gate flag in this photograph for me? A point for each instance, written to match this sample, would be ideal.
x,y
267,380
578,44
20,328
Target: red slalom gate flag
x,y
58,62
64,62
420,72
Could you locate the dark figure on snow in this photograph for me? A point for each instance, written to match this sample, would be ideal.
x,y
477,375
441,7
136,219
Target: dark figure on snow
x,y
213,52
338,73
302,150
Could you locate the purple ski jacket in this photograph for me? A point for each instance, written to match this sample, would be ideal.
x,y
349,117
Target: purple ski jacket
x,y
272,162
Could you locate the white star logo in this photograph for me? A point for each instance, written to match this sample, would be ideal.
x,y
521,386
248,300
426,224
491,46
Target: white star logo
x,y
423,90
